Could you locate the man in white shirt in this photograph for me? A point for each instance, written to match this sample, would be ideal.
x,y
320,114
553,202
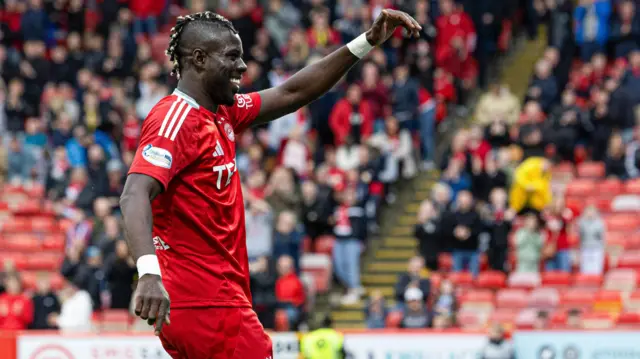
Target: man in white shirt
x,y
76,311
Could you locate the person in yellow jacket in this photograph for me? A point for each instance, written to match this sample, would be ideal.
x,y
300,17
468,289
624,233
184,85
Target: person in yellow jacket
x,y
323,343
531,188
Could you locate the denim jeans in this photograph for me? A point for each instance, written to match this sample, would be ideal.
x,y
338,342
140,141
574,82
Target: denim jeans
x,y
147,25
466,260
560,262
293,313
427,120
346,261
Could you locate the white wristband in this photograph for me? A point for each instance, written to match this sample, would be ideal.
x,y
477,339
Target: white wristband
x,y
148,264
360,46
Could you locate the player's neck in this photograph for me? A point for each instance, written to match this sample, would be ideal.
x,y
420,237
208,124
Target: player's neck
x,y
198,94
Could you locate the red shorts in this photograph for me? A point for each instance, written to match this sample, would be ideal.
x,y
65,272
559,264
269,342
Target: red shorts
x,y
216,333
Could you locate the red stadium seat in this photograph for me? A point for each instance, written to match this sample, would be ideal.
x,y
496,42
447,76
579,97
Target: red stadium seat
x,y
633,302
578,298
523,280
559,318
603,204
564,170
576,204
281,321
29,280
477,298
43,224
461,279
36,191
628,320
544,298
587,280
597,320
610,187
393,319
445,262
31,207
591,170
54,242
16,225
22,243
622,222
324,244
115,320
504,316
632,186
45,261
512,298
471,319
556,279
435,279
629,259
526,318
621,279
580,187
319,266
491,279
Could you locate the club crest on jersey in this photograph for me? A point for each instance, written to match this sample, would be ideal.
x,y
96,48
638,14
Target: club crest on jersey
x,y
160,244
229,131
157,156
244,101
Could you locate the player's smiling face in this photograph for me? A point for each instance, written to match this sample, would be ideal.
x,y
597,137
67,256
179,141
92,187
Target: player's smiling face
x,y
224,67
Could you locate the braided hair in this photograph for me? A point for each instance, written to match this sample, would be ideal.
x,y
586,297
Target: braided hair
x,y
208,17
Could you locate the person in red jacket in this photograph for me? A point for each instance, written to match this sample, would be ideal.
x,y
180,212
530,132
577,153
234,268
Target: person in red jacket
x,y
455,42
289,290
16,309
351,116
146,13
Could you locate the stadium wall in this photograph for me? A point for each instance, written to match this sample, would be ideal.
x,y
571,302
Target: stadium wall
x,y
385,344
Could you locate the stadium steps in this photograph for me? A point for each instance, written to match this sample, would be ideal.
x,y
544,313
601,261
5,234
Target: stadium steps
x,y
517,70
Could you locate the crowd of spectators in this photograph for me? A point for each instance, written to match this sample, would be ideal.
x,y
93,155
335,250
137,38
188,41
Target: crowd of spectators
x,y
78,78
498,199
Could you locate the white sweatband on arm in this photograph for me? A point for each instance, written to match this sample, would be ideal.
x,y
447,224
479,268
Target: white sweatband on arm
x,y
148,264
360,46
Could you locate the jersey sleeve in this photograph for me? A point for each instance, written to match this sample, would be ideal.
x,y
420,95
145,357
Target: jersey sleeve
x,y
245,109
168,143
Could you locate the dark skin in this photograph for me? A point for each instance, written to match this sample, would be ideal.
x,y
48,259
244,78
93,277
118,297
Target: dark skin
x,y
209,60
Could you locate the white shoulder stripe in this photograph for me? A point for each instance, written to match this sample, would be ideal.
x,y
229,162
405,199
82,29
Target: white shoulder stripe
x,y
174,118
184,115
166,118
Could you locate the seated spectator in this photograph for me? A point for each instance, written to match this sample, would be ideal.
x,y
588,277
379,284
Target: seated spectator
x,y
415,312
592,231
375,311
263,289
632,156
566,126
574,319
625,29
530,131
350,229
499,222
289,290
462,227
557,251
441,196
446,304
120,271
347,155
8,269
45,306
529,242
456,178
477,146
531,188
76,311
440,322
396,146
19,163
295,153
427,232
16,308
287,240
497,104
351,116
112,233
259,226
498,347
541,320
414,277
591,23
405,97
615,159
485,180
544,86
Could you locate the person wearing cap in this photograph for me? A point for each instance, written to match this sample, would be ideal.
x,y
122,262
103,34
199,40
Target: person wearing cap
x,y
323,343
415,313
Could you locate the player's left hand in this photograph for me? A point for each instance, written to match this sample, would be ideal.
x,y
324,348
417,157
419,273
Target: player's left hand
x,y
386,24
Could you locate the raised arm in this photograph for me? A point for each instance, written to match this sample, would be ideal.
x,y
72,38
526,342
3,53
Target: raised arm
x,y
314,80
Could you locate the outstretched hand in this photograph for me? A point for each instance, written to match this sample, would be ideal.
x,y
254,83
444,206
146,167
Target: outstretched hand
x,y
152,302
386,24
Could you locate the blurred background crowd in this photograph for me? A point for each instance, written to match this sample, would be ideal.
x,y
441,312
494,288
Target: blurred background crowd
x,y
79,77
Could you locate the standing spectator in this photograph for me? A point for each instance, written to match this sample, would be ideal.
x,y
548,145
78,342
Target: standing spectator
x,y
415,315
263,289
375,311
374,91
462,227
405,97
351,117
529,242
485,181
615,159
499,221
282,193
396,146
625,29
16,309
120,272
35,22
591,24
592,241
316,210
77,309
632,156
544,86
497,347
289,290
455,178
321,36
259,225
497,104
18,169
146,14
530,132
441,196
280,18
415,277
287,239
45,306
531,188
350,229
427,232
558,248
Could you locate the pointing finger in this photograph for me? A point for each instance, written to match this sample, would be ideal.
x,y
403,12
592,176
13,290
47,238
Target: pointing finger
x,y
138,308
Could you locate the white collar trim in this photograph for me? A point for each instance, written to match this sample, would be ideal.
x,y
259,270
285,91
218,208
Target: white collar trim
x,y
187,98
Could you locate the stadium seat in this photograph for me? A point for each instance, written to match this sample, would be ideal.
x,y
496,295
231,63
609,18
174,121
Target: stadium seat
x,y
526,318
309,283
36,191
29,280
556,279
45,261
580,187
578,298
597,320
30,207
608,301
479,299
159,44
324,245
632,186
393,320
575,204
114,320
504,316
54,242
559,318
523,280
19,260
564,170
281,321
435,279
587,280
609,187
544,298
633,302
491,280
16,225
21,243
620,279
43,224
319,266
471,319
461,279
626,203
512,298
591,170
445,262
622,222
603,204
57,281
629,259
628,320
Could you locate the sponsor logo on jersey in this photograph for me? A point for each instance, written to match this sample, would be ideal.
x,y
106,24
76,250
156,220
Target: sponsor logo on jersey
x,y
244,101
229,131
157,156
160,244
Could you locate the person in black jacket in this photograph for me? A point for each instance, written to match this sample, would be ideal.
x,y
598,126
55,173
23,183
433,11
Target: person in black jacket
x,y
263,288
315,211
462,226
427,231
45,303
498,220
120,273
414,277
484,180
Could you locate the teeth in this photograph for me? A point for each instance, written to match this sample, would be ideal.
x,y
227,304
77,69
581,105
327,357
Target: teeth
x,y
235,81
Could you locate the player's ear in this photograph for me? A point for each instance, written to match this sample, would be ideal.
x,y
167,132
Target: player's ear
x,y
199,58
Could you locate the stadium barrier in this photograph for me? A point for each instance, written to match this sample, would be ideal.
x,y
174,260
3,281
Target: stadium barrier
x,y
375,344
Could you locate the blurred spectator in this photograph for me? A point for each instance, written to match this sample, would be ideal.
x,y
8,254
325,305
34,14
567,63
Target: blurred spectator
x,y
120,272
497,347
350,231
405,97
351,117
530,132
321,36
428,233
446,305
566,126
531,188
259,225
574,319
615,158
625,29
395,145
541,320
591,19
316,209
16,308
374,91
455,178
287,239
592,241
280,18
441,195
632,156
497,104
499,220
108,238
86,272
543,87
45,306
282,193
529,242
557,251
415,277
263,289
415,313
462,226
76,311
20,163
486,178
289,290
375,311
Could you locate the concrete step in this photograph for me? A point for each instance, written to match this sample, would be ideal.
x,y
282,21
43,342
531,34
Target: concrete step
x,y
379,279
342,315
387,267
400,242
400,254
403,230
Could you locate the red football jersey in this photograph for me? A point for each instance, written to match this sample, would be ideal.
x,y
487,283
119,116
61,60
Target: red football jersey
x,y
198,220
